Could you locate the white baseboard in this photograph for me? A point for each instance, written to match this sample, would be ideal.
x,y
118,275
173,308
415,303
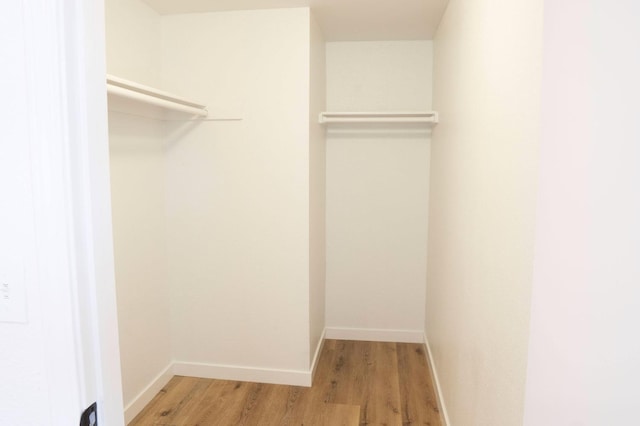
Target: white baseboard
x,y
316,356
243,374
375,335
434,374
143,398
222,372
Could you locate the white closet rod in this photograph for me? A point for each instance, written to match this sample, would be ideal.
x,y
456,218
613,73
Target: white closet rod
x,y
378,117
120,87
152,100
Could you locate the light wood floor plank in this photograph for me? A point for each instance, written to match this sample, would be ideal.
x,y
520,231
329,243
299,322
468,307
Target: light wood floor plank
x,y
289,404
175,403
384,394
218,400
328,414
180,415
417,391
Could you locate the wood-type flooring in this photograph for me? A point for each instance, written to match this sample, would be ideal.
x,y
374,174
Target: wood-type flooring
x,y
356,383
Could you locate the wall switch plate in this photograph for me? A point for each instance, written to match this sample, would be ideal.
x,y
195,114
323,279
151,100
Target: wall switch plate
x,y
13,299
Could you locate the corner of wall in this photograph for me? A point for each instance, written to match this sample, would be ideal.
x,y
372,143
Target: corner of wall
x,y
143,398
317,191
316,356
444,415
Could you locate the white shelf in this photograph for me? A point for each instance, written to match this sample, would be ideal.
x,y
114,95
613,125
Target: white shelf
x,y
129,97
427,117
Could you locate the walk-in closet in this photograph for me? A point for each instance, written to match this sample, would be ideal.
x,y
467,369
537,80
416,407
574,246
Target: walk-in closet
x,y
271,186
319,212
276,198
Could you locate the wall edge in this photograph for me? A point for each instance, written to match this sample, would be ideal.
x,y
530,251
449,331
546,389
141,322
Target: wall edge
x,y
444,415
148,393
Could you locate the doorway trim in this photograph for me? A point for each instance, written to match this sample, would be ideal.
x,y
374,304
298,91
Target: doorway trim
x,y
68,143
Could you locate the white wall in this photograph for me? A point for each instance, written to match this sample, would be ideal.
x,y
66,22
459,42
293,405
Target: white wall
x,y
138,203
482,206
317,189
133,41
219,225
50,252
22,369
238,191
377,191
583,353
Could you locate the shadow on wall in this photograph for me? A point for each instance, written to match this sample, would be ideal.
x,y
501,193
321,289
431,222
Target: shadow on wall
x,y
379,130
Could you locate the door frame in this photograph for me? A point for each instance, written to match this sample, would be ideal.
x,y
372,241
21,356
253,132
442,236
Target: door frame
x,y
68,142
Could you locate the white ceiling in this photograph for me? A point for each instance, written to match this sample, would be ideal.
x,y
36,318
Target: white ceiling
x,y
341,20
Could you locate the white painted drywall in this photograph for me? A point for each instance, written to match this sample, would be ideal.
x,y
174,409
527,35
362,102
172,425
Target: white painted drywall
x,y
583,353
238,191
138,202
317,188
377,187
23,388
482,206
138,212
353,20
133,41
48,369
